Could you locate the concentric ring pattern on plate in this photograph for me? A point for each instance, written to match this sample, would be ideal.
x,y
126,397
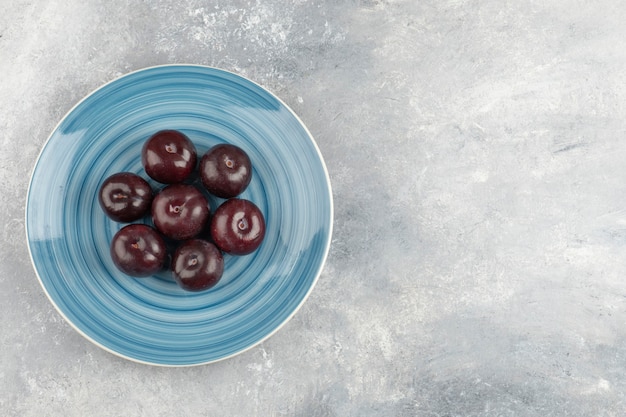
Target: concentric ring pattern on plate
x,y
151,320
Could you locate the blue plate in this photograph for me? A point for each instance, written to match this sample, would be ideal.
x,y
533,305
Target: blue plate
x,y
151,320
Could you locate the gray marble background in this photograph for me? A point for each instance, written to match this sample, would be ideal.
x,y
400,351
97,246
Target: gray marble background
x,y
477,152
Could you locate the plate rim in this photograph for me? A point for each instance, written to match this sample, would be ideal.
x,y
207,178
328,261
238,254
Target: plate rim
x,y
318,272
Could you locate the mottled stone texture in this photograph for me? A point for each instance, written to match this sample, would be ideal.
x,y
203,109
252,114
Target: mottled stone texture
x,y
477,155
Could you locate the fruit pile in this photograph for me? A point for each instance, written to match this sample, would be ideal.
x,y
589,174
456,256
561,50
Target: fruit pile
x,y
181,213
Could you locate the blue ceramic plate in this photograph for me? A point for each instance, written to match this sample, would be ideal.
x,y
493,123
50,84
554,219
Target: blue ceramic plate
x,y
151,320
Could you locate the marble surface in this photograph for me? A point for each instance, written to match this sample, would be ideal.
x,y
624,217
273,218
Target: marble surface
x,y
476,152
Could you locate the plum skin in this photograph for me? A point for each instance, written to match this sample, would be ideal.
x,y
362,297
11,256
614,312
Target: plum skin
x,y
125,197
225,170
237,227
138,250
180,211
169,157
197,265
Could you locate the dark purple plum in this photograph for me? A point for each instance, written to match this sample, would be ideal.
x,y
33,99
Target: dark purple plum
x,y
237,227
197,265
180,211
138,250
225,170
169,157
125,197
